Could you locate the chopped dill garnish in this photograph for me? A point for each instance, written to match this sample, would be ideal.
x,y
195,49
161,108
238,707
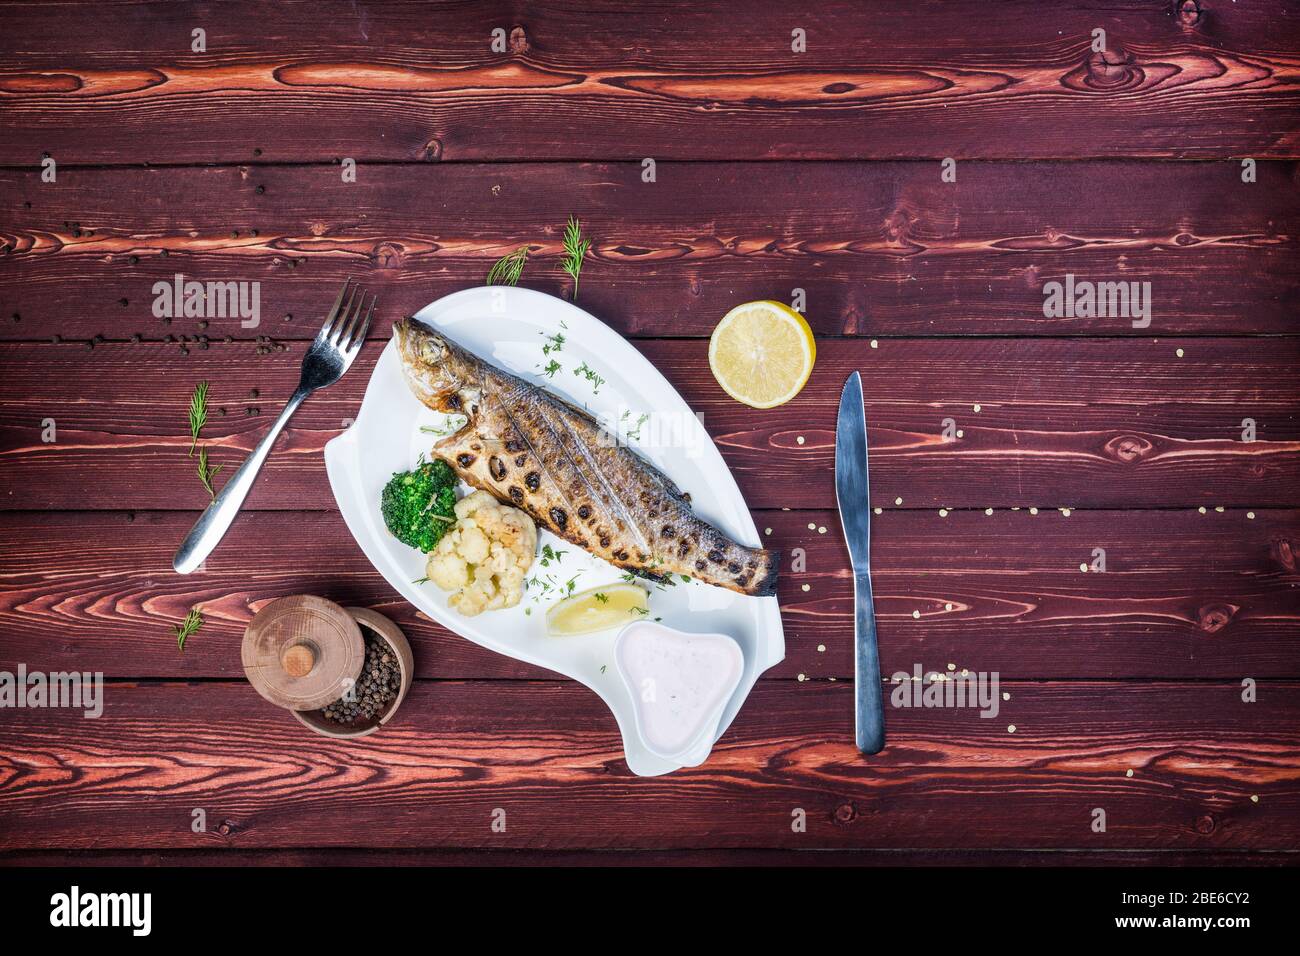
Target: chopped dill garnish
x,y
587,372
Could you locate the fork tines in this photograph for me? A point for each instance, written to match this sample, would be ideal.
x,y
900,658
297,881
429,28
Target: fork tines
x,y
346,325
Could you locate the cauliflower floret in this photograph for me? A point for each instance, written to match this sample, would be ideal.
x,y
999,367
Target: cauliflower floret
x,y
485,556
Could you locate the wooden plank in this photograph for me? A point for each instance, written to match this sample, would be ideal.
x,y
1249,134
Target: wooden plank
x,y
1184,595
400,856
549,756
1061,423
891,79
879,249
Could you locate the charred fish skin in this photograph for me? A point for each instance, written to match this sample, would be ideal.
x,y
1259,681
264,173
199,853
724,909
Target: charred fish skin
x,y
533,450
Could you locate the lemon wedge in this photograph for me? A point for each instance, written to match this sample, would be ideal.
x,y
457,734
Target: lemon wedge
x,y
598,609
762,353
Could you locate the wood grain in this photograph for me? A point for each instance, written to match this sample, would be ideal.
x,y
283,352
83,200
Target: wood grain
x,y
1062,423
894,79
1184,595
486,856
550,756
879,249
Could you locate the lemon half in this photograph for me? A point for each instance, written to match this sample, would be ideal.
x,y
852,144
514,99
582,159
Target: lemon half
x,y
762,353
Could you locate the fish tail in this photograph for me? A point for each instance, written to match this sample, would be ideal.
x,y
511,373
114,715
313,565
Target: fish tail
x,y
763,583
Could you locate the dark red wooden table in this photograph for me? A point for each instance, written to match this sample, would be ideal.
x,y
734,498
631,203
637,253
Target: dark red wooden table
x,y
774,170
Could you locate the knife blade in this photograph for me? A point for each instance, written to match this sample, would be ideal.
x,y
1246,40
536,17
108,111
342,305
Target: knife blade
x,y
851,495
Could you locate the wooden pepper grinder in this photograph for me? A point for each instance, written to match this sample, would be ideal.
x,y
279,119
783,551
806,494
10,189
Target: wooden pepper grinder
x,y
303,652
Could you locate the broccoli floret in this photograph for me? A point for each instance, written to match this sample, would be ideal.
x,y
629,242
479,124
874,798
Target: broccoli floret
x,y
418,506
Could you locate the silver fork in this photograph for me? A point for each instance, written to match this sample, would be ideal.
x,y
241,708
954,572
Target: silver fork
x,y
330,355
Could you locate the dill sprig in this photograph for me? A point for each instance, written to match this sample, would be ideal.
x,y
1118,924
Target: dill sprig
x,y
575,250
193,621
508,269
206,474
198,413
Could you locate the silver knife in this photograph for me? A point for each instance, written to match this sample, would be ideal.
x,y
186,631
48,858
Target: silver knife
x,y
851,494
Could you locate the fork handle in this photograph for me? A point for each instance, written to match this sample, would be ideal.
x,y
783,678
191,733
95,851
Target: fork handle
x,y
218,516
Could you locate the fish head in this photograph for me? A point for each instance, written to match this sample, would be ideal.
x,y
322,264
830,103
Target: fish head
x,y
442,375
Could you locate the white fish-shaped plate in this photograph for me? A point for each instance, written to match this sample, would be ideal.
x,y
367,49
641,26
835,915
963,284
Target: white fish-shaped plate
x,y
517,330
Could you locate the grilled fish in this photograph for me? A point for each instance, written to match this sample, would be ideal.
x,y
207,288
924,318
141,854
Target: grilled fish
x,y
537,452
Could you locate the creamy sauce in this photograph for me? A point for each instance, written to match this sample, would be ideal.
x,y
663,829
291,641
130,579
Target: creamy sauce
x,y
679,682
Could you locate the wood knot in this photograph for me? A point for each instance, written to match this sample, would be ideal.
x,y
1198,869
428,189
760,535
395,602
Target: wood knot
x,y
1205,824
1128,448
1105,71
899,225
227,828
518,41
846,813
1188,11
433,149
387,255
1110,68
1284,553
1213,618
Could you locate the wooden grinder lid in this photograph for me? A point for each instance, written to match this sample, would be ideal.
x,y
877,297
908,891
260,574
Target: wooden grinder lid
x,y
302,652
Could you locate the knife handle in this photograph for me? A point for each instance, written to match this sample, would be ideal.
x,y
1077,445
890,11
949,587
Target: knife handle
x,y
869,709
